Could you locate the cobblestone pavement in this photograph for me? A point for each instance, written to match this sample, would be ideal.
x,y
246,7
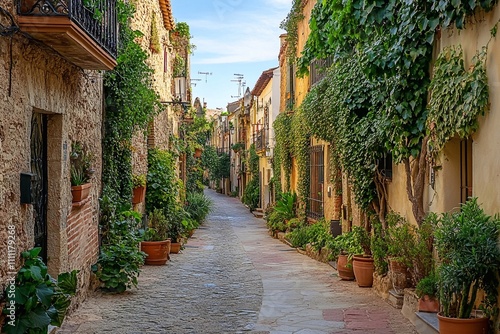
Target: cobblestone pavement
x,y
232,277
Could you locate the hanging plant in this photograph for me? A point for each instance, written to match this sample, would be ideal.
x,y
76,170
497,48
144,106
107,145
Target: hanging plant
x,y
458,97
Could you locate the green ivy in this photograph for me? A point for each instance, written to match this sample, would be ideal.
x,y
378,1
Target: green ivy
x,y
290,24
374,98
459,97
131,103
301,135
251,195
283,149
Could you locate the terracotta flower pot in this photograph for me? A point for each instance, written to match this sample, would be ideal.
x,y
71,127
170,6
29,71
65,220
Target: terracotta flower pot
x,y
197,153
81,192
399,275
463,326
157,252
175,247
344,268
138,195
363,270
427,304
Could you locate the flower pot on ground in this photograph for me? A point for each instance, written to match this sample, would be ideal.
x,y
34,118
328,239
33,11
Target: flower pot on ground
x,y
156,244
344,267
344,246
363,270
399,274
362,264
469,257
462,326
427,290
175,247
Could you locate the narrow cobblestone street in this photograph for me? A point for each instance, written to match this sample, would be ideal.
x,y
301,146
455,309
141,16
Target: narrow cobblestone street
x,y
232,277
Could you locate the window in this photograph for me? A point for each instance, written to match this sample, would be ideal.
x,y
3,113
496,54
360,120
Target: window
x,y
316,172
385,166
465,169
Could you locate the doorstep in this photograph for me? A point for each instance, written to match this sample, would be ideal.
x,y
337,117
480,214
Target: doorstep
x,y
426,323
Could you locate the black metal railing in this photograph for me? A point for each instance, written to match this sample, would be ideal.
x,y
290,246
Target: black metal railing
x,y
316,173
318,69
260,140
99,22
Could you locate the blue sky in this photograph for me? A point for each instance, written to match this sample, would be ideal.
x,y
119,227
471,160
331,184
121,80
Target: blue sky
x,y
231,37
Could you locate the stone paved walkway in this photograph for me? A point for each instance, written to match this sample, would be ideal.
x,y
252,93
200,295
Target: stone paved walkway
x,y
232,278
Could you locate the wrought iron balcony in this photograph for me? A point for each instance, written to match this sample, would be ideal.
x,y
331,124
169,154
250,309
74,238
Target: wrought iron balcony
x,y
87,37
260,140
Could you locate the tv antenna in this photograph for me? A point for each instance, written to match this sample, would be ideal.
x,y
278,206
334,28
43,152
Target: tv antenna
x,y
239,78
206,74
194,83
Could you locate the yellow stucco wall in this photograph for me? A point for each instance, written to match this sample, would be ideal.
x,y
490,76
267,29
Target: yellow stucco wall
x,y
485,148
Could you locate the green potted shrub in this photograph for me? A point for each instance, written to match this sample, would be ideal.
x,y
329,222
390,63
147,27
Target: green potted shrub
x,y
139,188
362,264
427,290
81,172
344,247
156,243
175,216
401,245
469,261
39,300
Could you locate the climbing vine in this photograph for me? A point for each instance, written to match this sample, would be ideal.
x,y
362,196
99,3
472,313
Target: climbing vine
x,y
131,103
375,98
251,195
301,136
458,97
290,24
283,149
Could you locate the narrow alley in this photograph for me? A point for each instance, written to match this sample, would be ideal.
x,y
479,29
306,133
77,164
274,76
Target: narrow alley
x,y
232,277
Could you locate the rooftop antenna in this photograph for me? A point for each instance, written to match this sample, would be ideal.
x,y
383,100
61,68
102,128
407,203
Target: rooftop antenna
x,y
194,83
206,74
239,78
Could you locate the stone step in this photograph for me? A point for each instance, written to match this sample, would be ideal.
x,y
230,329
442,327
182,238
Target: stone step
x,y
426,323
258,213
395,300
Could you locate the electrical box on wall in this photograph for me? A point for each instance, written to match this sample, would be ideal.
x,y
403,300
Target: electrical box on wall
x,y
26,187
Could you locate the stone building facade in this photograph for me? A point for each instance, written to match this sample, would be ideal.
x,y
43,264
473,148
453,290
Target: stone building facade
x,y
49,100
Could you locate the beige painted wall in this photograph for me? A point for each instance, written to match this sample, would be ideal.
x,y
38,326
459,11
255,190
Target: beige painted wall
x,y
486,141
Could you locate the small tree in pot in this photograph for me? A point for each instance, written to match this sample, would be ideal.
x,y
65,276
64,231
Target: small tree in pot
x,y
467,245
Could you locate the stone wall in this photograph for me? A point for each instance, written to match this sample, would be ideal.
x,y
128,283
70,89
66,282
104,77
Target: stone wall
x,y
43,82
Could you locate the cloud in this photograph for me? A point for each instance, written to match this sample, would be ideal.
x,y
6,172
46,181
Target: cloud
x,y
247,37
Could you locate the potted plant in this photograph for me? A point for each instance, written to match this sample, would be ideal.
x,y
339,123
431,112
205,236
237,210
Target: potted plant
x,y
139,188
175,217
426,290
344,247
156,243
237,147
401,244
362,264
469,260
39,300
198,150
81,172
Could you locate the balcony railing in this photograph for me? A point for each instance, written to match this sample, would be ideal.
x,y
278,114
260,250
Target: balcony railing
x,y
318,69
260,140
45,19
